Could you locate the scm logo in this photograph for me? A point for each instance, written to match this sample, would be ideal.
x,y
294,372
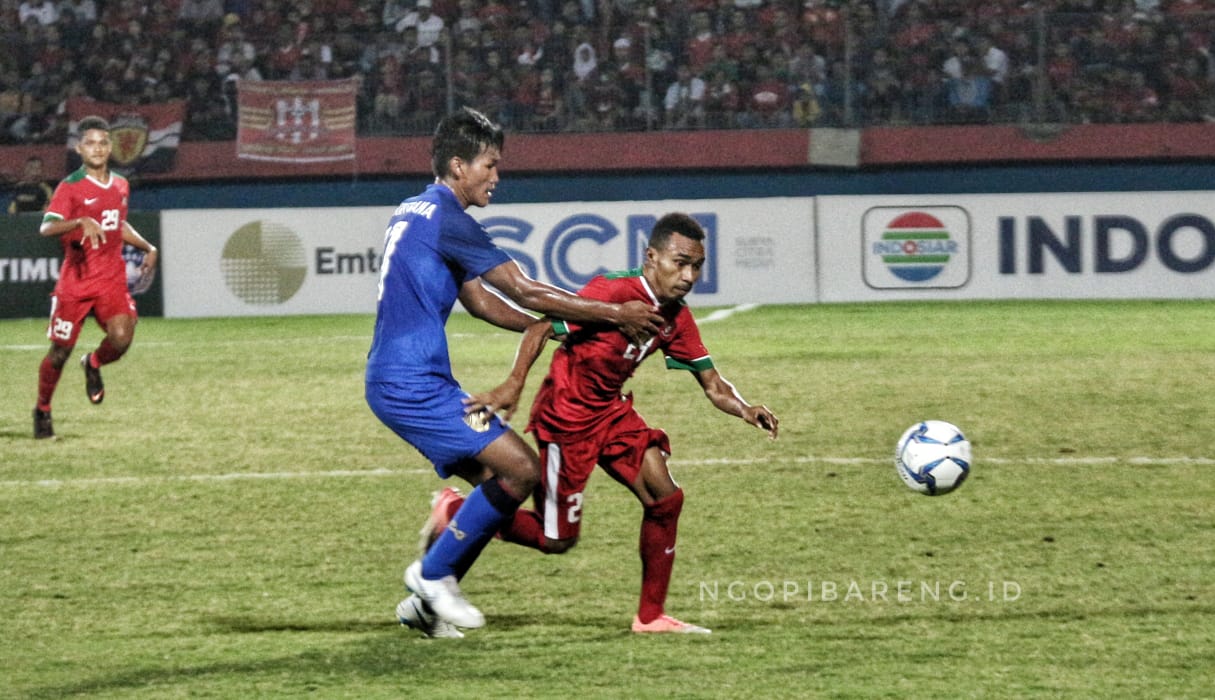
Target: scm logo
x,y
573,251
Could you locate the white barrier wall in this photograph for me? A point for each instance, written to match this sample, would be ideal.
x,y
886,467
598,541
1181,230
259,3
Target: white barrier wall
x,y
238,262
772,250
1042,246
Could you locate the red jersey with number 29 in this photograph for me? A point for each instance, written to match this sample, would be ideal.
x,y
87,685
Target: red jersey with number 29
x,y
87,271
582,390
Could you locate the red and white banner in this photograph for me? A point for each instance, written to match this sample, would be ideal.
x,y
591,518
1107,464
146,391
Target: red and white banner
x,y
144,137
296,121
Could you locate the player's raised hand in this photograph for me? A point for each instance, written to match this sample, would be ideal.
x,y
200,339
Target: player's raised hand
x,y
91,232
639,321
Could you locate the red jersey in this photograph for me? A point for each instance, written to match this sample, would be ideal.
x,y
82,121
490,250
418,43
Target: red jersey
x,y
583,387
87,271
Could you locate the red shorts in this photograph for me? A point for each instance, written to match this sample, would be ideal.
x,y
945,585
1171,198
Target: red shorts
x,y
619,448
68,313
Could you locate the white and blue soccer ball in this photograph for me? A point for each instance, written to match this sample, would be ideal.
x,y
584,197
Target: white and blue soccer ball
x,y
138,281
933,457
133,257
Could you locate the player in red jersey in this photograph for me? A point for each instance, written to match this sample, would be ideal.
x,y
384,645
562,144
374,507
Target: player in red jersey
x,y
88,212
580,417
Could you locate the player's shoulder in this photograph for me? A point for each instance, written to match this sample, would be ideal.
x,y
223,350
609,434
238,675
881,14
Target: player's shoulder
x,y
615,286
424,205
75,177
622,274
619,280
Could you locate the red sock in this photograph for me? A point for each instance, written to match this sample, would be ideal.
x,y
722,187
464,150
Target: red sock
x,y
48,379
527,529
104,354
658,529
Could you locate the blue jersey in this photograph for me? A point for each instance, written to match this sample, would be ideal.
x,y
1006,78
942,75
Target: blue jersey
x,y
432,247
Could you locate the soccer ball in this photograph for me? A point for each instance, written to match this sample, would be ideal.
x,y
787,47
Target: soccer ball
x,y
933,457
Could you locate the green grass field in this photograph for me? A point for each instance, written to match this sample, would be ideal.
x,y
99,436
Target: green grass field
x,y
233,522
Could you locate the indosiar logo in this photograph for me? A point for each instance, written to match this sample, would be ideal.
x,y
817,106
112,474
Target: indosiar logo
x,y
264,263
922,247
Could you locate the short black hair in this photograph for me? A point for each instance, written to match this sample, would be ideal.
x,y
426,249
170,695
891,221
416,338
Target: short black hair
x,y
675,222
93,122
463,134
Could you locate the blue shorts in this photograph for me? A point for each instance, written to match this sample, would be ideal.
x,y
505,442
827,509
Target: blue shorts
x,y
432,419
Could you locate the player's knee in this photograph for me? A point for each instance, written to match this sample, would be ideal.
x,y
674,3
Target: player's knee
x,y
520,485
121,340
559,546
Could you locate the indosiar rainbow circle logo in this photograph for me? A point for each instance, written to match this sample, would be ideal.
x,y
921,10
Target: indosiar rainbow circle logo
x,y
915,246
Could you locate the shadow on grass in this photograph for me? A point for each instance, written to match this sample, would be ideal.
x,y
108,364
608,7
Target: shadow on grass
x,y
502,652
381,650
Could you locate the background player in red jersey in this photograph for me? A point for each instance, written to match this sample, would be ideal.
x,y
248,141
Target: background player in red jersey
x,y
88,212
580,418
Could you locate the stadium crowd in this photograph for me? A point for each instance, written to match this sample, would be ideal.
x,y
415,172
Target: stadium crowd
x,y
598,65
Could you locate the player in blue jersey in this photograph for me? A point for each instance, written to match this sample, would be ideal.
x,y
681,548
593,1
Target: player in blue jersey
x,y
435,254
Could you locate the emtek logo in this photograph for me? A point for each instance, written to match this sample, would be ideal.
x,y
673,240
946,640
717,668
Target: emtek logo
x,y
924,247
264,263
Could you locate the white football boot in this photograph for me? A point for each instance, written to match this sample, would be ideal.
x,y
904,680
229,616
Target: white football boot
x,y
444,597
412,613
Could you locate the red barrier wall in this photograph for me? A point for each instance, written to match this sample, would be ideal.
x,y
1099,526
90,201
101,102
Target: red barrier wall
x,y
704,150
888,146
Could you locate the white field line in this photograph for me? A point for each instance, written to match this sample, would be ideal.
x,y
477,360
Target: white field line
x,y
715,462
723,314
223,343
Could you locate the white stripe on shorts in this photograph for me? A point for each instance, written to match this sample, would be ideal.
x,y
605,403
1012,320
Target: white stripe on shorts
x,y
552,467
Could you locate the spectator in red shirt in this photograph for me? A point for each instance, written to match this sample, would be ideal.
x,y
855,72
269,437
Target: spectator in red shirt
x,y
822,24
701,41
607,100
912,31
1133,100
739,35
631,75
284,56
767,102
548,114
1188,92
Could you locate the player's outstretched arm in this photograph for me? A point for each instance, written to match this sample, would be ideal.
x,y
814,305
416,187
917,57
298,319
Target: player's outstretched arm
x,y
636,319
726,399
491,308
505,397
151,254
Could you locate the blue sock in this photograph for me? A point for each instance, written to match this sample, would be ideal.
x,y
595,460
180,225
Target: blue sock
x,y
483,513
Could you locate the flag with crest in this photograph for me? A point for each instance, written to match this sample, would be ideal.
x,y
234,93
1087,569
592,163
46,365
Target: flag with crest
x,y
309,121
144,137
